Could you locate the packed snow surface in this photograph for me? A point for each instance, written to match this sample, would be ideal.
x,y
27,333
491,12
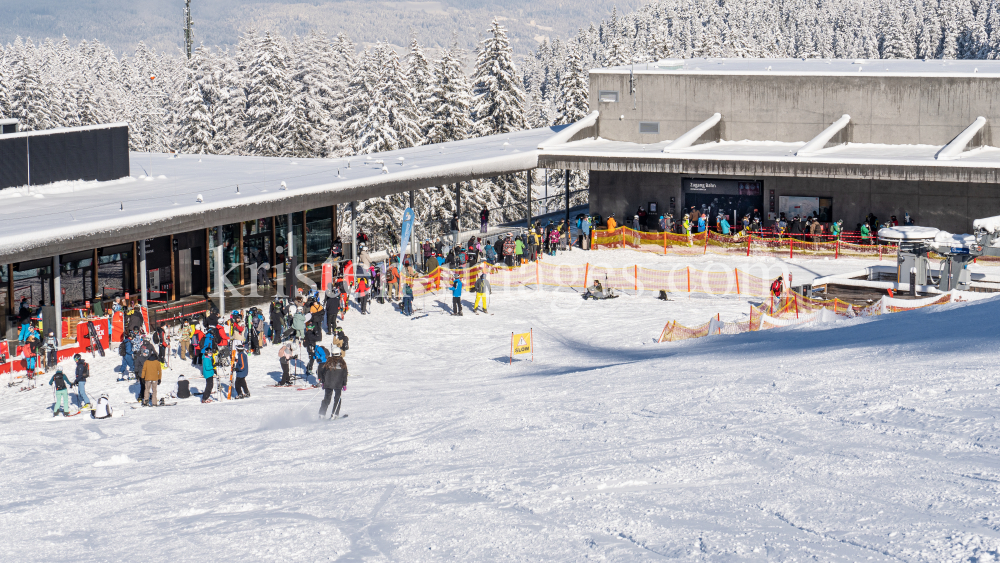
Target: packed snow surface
x,y
855,440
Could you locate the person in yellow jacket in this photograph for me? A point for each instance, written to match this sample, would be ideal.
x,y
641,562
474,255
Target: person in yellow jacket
x,y
686,225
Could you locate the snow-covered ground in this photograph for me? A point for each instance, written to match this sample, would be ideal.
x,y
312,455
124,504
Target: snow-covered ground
x,y
856,440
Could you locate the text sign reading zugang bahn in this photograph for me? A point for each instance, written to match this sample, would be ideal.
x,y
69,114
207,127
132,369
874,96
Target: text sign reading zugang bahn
x,y
521,344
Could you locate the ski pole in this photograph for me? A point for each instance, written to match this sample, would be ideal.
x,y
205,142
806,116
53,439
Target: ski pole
x,y
336,406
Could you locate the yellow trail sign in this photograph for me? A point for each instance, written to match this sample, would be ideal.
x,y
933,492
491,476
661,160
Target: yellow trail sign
x,y
521,344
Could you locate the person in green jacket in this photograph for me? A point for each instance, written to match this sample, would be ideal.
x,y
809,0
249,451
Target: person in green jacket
x,y
836,229
865,233
518,251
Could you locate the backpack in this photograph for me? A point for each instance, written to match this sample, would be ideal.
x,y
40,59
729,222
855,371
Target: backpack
x,y
156,338
121,349
321,354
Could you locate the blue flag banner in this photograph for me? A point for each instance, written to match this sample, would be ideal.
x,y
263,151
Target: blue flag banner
x,y
404,237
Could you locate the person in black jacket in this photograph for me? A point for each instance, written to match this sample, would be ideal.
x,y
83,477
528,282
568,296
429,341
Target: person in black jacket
x,y
333,377
160,340
277,314
331,306
82,373
313,335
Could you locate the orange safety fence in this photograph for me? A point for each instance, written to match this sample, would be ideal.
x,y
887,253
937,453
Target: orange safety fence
x,y
795,309
747,244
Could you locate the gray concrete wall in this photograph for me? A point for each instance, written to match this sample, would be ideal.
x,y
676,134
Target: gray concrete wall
x,y
951,206
883,109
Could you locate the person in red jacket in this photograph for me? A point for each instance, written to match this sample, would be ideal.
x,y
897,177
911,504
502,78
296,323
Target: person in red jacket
x,y
362,294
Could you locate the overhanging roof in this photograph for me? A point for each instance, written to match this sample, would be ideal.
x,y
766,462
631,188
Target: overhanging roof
x,y
969,68
770,158
160,196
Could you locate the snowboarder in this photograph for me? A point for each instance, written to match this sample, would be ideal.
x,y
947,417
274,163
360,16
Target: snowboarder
x,y
241,368
82,373
482,289
61,383
456,296
333,377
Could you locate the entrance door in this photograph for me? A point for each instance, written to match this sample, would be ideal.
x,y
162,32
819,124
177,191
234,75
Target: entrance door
x,y
184,272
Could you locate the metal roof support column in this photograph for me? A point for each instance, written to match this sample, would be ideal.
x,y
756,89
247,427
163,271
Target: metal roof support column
x,y
290,252
413,235
220,274
354,239
568,235
142,274
528,214
57,297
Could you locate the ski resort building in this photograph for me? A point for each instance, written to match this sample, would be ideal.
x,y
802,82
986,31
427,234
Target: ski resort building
x,y
83,220
840,138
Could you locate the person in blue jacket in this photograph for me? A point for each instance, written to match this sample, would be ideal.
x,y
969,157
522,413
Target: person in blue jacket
x,y
241,368
208,372
701,223
724,225
456,296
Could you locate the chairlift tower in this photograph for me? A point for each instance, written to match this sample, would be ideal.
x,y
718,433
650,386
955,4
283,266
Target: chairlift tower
x,y
188,28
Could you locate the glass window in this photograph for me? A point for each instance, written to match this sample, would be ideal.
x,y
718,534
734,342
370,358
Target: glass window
x,y
114,274
319,234
649,127
76,282
609,96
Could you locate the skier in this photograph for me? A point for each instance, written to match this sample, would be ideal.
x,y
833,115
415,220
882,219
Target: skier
x,y
241,368
285,355
333,377
160,340
299,323
51,350
332,295
208,372
482,289
456,296
82,373
362,295
185,340
836,229
152,372
61,382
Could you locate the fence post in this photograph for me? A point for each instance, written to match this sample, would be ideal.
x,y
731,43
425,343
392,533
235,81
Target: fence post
x,y
880,253
796,298
586,273
664,243
538,282
791,248
689,278
749,239
637,277
836,251
706,240
737,272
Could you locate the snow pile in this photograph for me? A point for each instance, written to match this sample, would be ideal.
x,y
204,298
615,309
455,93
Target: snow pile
x,y
121,459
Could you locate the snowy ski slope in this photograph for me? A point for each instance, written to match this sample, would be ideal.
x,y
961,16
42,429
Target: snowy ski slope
x,y
850,441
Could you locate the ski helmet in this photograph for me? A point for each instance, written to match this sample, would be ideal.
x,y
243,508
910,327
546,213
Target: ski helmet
x,y
77,357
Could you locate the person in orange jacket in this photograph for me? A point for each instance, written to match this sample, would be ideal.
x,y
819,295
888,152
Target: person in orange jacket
x,y
612,224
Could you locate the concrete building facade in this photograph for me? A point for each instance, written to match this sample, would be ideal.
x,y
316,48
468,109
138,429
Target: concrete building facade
x,y
762,122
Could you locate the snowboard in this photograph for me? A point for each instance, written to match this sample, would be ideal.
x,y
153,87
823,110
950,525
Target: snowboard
x,y
95,339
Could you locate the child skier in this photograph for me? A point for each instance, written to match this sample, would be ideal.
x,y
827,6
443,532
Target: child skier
x,y
61,382
82,373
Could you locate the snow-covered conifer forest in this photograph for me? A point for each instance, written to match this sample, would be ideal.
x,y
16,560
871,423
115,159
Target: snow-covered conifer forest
x,y
317,96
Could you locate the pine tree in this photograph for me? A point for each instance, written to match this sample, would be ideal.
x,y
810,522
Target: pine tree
x,y
498,103
29,94
420,78
383,115
307,120
449,118
267,98
574,100
196,134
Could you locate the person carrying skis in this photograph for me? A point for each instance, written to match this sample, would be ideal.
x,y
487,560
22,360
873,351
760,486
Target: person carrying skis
x,y
82,373
285,355
482,288
152,372
456,296
241,367
51,350
61,383
333,376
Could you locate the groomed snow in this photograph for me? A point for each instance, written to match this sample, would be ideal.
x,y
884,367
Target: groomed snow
x,y
860,440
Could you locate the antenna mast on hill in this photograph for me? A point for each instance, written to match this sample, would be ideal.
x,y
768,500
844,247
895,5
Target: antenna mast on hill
x,y
188,25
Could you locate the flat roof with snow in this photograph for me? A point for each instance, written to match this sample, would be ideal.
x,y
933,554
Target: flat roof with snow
x,y
813,67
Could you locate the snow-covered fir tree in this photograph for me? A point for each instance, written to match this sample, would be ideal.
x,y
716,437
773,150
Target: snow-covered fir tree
x,y
266,89
450,101
574,88
498,96
196,133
